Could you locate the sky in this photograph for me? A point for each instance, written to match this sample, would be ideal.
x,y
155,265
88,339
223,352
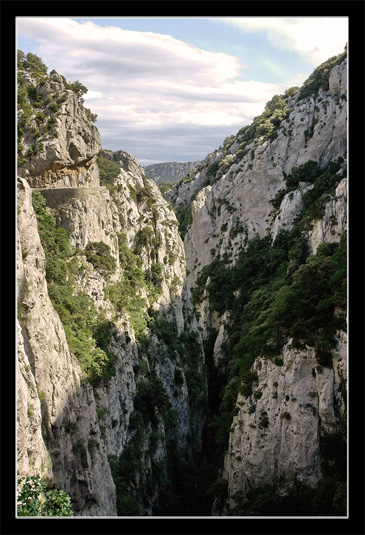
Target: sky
x,y
172,89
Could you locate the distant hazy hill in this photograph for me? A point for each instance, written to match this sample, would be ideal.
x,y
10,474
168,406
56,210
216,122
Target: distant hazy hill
x,y
168,171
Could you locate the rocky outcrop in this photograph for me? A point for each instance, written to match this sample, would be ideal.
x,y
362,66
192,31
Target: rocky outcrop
x,y
32,454
333,223
80,425
59,142
290,207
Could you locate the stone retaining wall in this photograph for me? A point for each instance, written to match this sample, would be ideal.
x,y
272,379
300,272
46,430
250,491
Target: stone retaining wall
x,y
57,196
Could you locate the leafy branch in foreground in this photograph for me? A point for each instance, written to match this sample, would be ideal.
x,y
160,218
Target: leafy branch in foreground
x,y
34,499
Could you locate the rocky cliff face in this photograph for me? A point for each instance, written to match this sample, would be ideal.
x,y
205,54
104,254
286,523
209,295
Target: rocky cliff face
x,y
60,408
57,140
81,424
229,194
277,432
278,182
118,404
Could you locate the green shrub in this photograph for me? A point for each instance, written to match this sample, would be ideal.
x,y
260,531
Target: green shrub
x,y
33,63
212,170
178,377
185,217
40,118
319,79
150,397
78,88
98,254
307,172
36,499
108,170
92,445
144,238
155,275
264,420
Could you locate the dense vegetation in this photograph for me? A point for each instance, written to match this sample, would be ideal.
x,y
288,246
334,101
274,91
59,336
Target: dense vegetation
x,y
35,498
319,79
108,170
324,184
137,289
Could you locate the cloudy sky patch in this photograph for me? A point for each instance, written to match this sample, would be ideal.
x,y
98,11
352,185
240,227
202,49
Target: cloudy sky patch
x,y
173,89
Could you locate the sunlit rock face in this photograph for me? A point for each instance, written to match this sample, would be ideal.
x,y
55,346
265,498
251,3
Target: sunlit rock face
x,y
236,206
66,154
277,430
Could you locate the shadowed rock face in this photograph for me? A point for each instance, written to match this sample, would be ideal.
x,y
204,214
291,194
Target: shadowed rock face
x,y
51,375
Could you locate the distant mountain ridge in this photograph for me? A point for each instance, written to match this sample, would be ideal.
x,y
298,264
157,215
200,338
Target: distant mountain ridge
x,y
168,171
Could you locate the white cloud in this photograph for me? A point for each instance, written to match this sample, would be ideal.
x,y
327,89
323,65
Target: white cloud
x,y
112,50
93,94
153,84
317,38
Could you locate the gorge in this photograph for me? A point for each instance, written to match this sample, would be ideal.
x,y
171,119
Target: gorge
x,y
184,354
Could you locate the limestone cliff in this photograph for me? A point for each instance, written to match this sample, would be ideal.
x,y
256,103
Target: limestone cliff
x,y
61,410
82,425
229,195
57,140
279,184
